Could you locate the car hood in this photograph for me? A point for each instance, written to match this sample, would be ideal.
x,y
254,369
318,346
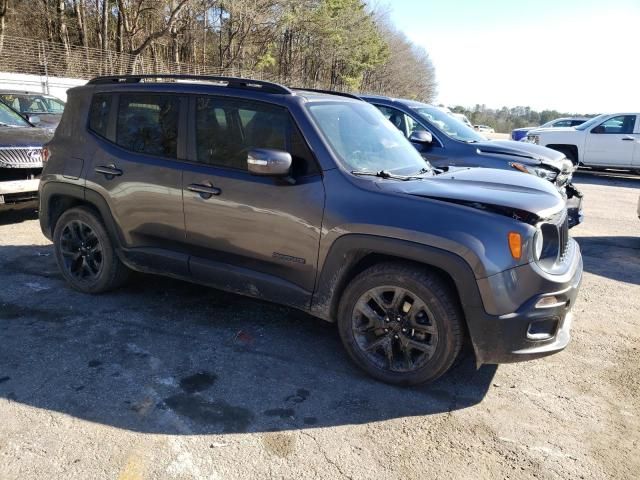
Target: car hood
x,y
511,192
526,153
550,129
24,136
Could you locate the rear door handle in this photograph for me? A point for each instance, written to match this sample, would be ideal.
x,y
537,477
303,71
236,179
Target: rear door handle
x,y
206,190
109,171
628,139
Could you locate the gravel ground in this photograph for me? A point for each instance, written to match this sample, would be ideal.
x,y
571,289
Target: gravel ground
x,y
171,380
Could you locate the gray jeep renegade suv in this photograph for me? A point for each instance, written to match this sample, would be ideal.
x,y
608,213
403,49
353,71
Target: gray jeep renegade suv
x,y
312,200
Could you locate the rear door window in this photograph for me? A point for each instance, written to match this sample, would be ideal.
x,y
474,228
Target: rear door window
x,y
148,123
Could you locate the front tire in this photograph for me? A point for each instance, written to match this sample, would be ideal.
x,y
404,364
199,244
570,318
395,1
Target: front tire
x,y
85,253
400,324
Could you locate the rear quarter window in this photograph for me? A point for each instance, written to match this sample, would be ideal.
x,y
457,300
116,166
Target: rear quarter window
x,y
99,114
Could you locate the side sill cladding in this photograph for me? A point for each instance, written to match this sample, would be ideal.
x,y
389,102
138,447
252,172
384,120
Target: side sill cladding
x,y
348,250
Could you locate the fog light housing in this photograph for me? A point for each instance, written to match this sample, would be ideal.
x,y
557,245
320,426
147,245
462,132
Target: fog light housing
x,y
543,329
550,302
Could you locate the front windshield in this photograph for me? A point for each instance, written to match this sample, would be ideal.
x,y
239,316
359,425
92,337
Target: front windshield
x,y
364,140
450,126
590,123
10,118
32,103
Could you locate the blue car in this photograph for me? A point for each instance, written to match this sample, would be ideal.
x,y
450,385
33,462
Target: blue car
x,y
521,133
445,142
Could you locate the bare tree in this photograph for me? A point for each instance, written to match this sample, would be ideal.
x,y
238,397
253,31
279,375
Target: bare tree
x,y
4,8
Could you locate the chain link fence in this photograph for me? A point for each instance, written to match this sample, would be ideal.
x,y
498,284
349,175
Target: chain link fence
x,y
37,57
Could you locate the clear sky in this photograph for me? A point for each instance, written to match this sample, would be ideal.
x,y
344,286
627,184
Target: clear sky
x,y
579,56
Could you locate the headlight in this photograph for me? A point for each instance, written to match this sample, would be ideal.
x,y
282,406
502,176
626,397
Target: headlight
x,y
541,172
538,242
533,139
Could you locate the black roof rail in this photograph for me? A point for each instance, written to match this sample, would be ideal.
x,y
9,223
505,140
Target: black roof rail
x,y
329,92
232,82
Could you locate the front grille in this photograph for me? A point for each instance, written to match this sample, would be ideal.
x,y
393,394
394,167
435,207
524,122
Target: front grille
x,y
563,235
20,157
556,240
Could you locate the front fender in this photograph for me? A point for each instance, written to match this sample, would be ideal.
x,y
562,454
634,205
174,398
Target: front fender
x,y
349,249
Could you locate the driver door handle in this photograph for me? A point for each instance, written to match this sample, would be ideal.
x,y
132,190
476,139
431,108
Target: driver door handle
x,y
628,139
206,190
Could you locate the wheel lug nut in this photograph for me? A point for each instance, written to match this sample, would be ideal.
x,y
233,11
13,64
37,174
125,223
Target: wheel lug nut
x,y
396,336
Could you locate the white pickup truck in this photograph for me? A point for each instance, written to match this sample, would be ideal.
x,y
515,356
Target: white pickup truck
x,y
607,141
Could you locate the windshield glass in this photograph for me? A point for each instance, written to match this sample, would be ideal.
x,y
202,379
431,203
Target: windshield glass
x,y
33,103
364,140
9,118
450,126
592,122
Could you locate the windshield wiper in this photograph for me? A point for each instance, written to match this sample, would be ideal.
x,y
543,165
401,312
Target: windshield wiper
x,y
387,175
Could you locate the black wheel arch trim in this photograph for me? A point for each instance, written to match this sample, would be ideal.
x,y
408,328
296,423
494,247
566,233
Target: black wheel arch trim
x,y
85,196
348,250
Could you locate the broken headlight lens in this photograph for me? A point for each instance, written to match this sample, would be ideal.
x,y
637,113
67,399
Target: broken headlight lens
x,y
541,172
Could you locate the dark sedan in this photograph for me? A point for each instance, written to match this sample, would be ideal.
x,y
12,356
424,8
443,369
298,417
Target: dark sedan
x,y
20,159
446,142
46,110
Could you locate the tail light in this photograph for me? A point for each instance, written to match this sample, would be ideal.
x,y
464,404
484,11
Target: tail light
x,y
45,154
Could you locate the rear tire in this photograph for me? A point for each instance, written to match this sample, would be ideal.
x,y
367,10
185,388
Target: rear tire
x,y
85,253
401,324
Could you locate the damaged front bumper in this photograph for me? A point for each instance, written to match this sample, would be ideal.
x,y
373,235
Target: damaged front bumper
x,y
16,194
527,312
574,205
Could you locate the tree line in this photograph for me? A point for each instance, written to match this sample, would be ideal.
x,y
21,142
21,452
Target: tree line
x,y
336,44
506,119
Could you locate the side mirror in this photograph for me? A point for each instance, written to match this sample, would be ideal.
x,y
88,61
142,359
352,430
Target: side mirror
x,y
267,162
598,129
35,119
421,136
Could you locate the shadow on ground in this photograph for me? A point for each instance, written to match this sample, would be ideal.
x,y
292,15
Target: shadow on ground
x,y
17,216
610,178
165,356
617,258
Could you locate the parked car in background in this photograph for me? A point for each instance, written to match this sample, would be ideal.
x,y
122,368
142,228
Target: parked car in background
x,y
521,133
446,142
35,106
20,159
320,204
463,118
484,129
607,141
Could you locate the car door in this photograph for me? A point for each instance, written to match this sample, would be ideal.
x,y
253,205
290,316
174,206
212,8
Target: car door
x,y
434,152
136,170
251,234
611,143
